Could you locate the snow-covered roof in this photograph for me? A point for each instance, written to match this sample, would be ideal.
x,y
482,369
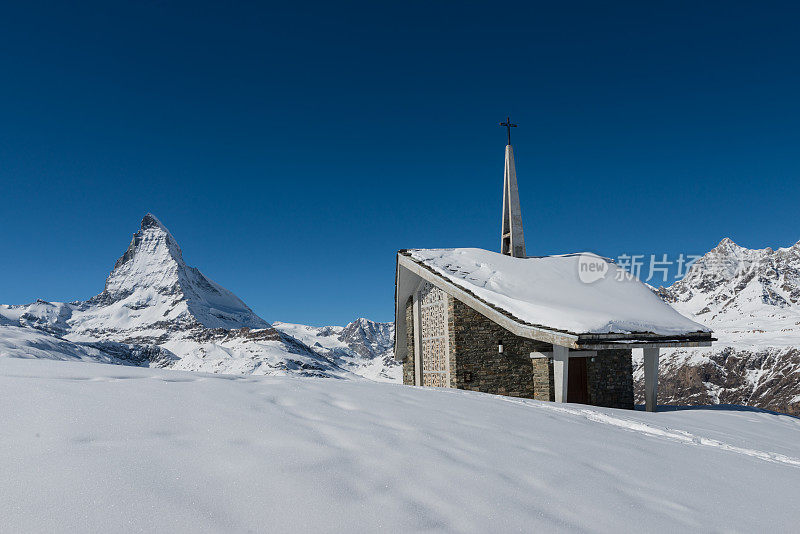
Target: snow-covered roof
x,y
551,292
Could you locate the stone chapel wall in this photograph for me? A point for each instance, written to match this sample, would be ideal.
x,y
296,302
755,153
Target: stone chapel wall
x,y
476,364
610,379
480,367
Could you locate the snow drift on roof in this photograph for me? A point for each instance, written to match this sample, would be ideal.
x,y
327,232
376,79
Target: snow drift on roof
x,y
547,291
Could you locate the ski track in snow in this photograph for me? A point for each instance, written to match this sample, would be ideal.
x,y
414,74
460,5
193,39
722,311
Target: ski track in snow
x,y
663,432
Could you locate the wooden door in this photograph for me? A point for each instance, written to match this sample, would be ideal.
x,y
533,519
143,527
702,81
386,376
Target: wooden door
x,y
577,383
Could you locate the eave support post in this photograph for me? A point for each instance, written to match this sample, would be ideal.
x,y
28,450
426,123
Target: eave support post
x,y
650,379
560,372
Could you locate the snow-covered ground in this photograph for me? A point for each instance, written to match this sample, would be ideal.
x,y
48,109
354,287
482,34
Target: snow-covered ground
x,y
90,447
21,342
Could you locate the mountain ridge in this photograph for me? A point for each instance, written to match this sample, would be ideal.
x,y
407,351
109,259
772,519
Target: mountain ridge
x,y
751,300
156,310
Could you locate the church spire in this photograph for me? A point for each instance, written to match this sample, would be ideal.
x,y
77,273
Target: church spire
x,y
512,238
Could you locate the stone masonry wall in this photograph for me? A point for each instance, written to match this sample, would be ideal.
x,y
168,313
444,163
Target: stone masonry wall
x,y
610,379
408,361
544,387
477,365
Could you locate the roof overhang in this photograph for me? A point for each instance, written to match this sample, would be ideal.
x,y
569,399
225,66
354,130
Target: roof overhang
x,y
410,273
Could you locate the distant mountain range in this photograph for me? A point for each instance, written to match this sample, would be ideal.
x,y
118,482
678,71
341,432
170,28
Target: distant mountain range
x,y
363,346
751,299
155,310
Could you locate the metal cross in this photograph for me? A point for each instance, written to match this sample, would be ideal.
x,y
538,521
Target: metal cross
x,y
508,126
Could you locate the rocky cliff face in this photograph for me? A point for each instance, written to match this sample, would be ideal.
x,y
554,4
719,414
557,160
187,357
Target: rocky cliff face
x,y
156,310
751,299
365,347
368,338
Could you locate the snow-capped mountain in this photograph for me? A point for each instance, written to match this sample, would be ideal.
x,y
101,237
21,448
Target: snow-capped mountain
x,y
151,290
364,347
747,296
156,310
751,299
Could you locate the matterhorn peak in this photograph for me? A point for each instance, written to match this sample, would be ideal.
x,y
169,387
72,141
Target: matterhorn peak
x,y
151,284
152,243
151,221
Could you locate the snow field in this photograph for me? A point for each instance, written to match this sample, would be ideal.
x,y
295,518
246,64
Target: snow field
x,y
93,447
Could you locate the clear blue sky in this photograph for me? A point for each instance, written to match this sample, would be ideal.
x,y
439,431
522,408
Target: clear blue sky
x,y
293,149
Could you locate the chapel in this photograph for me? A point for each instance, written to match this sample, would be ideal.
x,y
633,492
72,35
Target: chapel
x,y
555,328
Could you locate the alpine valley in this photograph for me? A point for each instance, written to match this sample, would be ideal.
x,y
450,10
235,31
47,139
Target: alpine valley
x,y
156,311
